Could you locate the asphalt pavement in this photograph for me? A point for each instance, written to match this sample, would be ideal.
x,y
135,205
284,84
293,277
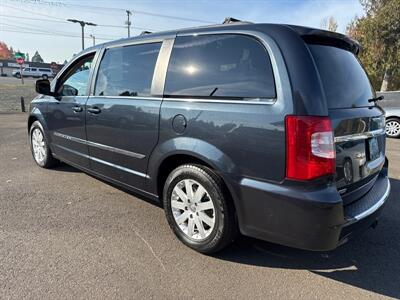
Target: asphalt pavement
x,y
65,234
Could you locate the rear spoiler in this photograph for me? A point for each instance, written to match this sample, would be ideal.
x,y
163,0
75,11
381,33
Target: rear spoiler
x,y
330,38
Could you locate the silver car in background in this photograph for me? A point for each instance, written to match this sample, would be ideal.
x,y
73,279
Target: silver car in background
x,y
391,105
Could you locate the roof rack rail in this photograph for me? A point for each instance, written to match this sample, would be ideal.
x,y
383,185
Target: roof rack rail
x,y
145,32
230,20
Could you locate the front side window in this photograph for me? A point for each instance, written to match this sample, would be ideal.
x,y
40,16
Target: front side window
x,y
127,71
33,69
76,81
220,66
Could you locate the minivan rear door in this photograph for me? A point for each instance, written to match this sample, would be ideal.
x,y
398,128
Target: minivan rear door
x,y
357,122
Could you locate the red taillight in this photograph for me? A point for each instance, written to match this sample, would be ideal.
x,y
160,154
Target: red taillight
x,y
310,151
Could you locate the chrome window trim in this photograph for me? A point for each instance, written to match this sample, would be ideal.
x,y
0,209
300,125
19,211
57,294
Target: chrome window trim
x,y
100,146
359,136
128,97
265,101
126,43
282,83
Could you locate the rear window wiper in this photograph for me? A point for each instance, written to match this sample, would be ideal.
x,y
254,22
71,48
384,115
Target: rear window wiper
x,y
376,99
213,92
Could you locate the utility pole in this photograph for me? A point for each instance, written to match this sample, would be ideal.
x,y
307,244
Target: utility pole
x,y
82,23
128,23
94,39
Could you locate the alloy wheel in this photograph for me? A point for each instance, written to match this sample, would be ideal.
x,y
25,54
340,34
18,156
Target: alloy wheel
x,y
38,145
193,209
393,128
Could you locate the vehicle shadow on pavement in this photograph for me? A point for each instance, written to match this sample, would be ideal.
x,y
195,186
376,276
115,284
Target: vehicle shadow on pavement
x,y
65,168
370,262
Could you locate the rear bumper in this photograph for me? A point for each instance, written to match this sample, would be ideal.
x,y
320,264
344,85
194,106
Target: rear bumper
x,y
307,219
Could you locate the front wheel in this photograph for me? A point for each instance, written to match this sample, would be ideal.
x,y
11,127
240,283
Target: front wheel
x,y
198,208
393,128
39,147
44,76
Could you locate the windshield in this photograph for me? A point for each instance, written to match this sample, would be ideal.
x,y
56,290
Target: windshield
x,y
344,80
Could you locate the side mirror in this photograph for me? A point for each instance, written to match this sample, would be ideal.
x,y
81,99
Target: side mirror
x,y
43,87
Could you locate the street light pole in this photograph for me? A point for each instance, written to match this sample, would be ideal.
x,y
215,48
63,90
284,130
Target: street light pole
x,y
94,39
82,23
128,23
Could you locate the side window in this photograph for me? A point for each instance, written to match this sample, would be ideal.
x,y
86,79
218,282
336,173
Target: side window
x,y
33,69
127,71
219,66
75,82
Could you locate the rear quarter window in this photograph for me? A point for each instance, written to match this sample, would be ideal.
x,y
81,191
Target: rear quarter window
x,y
220,66
344,80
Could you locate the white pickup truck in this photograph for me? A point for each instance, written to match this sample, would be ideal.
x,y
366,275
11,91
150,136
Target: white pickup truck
x,y
44,73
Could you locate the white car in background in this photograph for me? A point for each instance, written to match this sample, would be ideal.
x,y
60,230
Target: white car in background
x,y
44,73
391,105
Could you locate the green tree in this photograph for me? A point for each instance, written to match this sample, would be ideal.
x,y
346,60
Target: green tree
x,y
37,58
379,35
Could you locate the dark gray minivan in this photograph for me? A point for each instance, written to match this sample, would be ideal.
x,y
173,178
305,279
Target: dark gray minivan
x,y
263,129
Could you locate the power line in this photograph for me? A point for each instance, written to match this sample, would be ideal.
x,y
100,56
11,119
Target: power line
x,y
55,33
31,12
65,22
136,12
49,34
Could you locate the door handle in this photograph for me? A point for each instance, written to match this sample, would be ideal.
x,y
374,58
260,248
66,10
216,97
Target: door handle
x,y
94,110
77,108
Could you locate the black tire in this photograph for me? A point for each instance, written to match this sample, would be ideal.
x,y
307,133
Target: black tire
x,y
44,76
393,133
18,75
49,161
225,229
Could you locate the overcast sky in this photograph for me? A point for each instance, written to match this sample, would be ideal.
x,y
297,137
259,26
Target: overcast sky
x,y
57,40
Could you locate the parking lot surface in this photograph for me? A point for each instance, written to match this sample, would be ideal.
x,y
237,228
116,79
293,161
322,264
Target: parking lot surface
x,y
65,234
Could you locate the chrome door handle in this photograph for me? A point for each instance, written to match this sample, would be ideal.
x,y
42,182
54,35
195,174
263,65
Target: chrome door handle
x,y
94,110
77,108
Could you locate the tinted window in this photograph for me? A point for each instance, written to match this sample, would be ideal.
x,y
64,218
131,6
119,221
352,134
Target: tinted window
x,y
127,71
219,66
33,69
344,80
44,70
76,81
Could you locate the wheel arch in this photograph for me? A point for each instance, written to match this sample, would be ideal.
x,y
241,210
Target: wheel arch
x,y
175,152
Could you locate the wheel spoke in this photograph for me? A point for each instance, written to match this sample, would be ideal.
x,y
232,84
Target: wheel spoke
x,y
191,227
205,205
178,204
182,218
181,194
206,219
200,228
189,189
199,194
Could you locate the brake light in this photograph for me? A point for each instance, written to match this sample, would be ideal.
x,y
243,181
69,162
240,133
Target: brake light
x,y
310,150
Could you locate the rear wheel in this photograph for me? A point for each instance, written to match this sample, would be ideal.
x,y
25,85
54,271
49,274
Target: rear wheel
x,y
39,147
393,128
198,208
